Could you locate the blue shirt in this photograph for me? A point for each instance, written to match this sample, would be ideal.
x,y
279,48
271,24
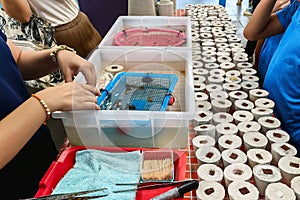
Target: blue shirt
x,y
12,89
283,75
266,53
23,173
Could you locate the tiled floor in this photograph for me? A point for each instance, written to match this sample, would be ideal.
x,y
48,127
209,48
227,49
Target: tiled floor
x,y
234,11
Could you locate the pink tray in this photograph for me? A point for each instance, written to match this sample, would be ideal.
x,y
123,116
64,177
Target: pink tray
x,y
150,37
67,158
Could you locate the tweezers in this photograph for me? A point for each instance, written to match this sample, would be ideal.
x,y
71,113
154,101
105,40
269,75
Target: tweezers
x,y
71,196
152,185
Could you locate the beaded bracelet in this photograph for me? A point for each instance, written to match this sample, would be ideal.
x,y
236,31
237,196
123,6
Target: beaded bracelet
x,y
43,103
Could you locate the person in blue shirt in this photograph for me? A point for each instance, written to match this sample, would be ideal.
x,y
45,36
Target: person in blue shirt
x,y
26,146
283,74
268,46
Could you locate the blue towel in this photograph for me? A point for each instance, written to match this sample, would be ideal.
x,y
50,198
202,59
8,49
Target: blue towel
x,y
94,169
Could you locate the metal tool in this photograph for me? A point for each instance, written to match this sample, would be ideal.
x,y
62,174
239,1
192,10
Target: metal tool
x,y
153,185
71,196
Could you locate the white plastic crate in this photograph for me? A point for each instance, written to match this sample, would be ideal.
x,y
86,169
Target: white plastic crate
x,y
131,22
133,128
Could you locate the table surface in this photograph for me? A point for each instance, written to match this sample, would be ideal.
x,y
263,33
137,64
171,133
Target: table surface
x,y
191,165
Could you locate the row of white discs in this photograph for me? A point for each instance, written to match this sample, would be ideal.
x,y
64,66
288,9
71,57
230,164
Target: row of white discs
x,y
238,141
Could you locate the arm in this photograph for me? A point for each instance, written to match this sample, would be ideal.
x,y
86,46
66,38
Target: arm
x,y
280,5
18,9
29,62
70,63
15,129
263,22
258,47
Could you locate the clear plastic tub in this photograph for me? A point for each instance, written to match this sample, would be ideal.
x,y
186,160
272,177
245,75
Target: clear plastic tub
x,y
157,166
173,23
133,128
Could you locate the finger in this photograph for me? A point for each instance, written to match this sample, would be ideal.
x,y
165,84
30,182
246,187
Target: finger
x,y
82,96
89,72
89,98
86,106
91,89
68,76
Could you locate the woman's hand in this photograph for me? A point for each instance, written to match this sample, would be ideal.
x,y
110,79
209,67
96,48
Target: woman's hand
x,y
71,64
70,96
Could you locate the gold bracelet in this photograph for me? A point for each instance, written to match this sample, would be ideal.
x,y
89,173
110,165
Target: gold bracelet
x,y
53,54
43,103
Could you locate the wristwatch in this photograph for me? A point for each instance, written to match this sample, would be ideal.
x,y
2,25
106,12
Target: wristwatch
x,y
53,54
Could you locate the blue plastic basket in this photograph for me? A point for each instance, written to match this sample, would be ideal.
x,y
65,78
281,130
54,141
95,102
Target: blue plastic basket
x,y
138,91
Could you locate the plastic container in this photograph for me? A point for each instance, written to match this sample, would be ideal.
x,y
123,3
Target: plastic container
x,y
175,23
157,166
150,37
67,159
132,128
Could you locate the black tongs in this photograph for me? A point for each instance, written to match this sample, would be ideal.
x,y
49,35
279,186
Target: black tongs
x,y
71,196
140,186
152,185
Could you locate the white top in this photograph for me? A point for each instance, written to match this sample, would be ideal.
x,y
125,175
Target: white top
x,y
57,12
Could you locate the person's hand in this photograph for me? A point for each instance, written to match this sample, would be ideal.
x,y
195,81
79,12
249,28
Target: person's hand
x,y
280,4
70,96
71,64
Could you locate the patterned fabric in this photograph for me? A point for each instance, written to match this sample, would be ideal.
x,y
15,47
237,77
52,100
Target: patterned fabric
x,y
36,34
